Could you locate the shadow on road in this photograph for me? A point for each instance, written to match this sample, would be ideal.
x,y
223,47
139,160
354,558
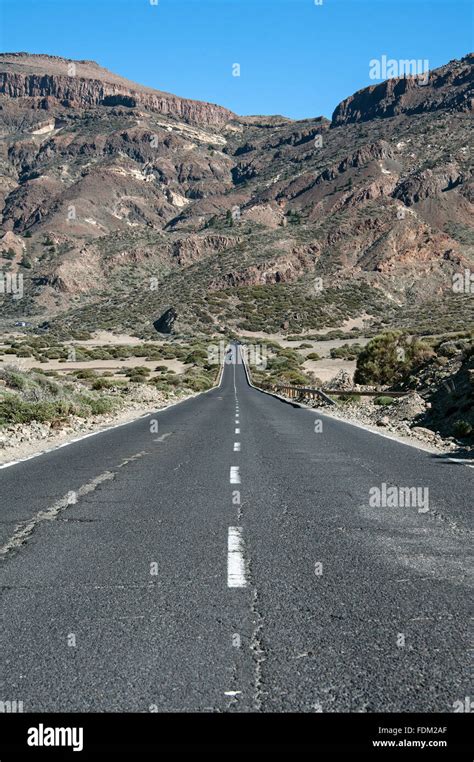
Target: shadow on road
x,y
461,456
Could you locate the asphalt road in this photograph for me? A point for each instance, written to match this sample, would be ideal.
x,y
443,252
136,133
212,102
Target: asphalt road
x,y
232,561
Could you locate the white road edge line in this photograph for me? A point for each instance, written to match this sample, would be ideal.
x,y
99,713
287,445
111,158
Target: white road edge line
x,y
345,421
235,559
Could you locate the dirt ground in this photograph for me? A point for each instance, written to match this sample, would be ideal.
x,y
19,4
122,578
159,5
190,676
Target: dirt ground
x,y
25,363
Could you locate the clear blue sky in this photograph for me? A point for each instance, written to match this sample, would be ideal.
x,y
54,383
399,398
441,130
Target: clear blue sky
x,y
296,58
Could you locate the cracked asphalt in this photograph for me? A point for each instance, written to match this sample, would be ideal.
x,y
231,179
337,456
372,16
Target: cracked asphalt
x,y
141,573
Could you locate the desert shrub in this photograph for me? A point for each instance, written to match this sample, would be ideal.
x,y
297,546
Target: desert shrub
x,y
24,352
294,377
346,398
196,357
54,354
102,383
100,406
44,386
197,383
173,380
13,378
389,357
15,410
383,400
462,428
138,370
313,356
85,374
346,352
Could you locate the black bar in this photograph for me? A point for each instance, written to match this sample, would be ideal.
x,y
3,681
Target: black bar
x,y
150,733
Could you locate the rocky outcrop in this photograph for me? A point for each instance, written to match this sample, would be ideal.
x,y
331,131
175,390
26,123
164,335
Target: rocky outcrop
x,y
50,80
428,184
165,323
283,269
449,87
12,244
185,251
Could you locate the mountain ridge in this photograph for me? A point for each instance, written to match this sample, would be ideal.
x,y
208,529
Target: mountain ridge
x,y
102,196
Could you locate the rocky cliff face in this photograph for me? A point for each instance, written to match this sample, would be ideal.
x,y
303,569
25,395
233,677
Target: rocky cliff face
x,y
50,80
447,88
107,187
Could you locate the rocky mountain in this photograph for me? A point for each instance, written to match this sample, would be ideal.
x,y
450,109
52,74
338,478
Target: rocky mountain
x,y
449,87
120,203
48,81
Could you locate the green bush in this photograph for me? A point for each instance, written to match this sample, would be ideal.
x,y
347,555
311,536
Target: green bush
x,y
353,398
100,406
196,357
390,357
346,352
383,400
102,383
15,410
462,428
197,383
13,378
139,370
85,374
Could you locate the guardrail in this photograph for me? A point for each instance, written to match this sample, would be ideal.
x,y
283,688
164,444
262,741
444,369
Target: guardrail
x,y
302,391
358,393
296,392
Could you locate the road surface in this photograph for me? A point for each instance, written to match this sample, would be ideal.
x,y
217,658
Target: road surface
x,y
224,555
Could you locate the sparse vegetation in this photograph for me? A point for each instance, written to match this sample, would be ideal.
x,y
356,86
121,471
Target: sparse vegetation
x,y
389,357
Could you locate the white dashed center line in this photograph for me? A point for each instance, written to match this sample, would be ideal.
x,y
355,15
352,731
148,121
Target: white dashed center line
x,y
237,431
235,559
236,446
234,475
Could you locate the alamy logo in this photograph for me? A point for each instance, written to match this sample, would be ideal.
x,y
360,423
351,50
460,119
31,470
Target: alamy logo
x,y
253,354
11,283
463,283
464,706
45,736
392,68
387,496
11,707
